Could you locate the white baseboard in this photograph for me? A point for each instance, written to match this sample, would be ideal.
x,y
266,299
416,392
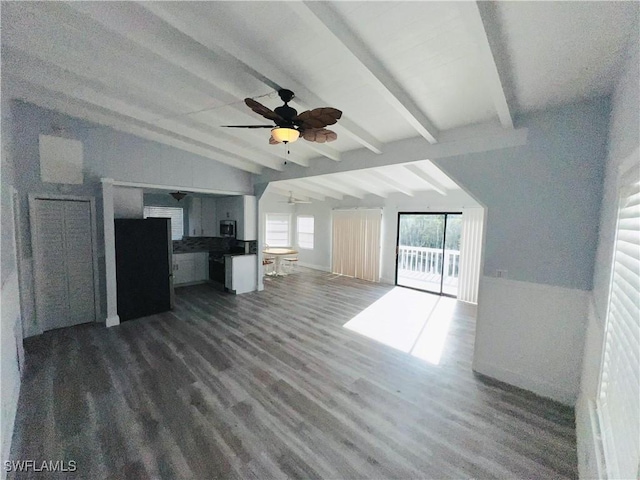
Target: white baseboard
x,y
389,281
537,385
532,336
113,321
322,268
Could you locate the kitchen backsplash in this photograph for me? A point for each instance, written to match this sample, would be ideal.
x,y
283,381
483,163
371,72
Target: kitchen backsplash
x,y
202,244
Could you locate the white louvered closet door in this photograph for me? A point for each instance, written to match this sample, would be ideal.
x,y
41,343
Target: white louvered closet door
x,y
63,263
79,259
50,269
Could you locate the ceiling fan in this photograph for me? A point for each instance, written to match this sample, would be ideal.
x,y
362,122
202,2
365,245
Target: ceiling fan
x,y
294,201
289,125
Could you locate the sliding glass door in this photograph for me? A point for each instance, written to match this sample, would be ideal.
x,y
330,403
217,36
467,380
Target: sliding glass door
x,y
428,252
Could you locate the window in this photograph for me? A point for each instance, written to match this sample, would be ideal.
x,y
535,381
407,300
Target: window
x,y
278,226
619,400
176,214
305,232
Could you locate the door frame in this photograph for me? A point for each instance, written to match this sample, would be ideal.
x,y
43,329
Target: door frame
x,y
444,241
33,198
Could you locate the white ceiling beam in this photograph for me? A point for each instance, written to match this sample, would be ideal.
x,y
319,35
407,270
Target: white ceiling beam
x,y
426,179
382,178
18,88
273,188
297,190
177,50
462,144
338,186
472,17
253,63
308,184
167,94
354,178
54,79
322,14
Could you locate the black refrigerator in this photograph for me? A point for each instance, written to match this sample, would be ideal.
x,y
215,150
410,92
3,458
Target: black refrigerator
x,y
143,267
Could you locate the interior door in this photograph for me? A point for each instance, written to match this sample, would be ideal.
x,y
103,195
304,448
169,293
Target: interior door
x,y
62,240
428,252
79,260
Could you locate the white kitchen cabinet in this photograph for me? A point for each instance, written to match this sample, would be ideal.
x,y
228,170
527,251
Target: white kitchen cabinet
x,y
248,220
228,208
244,210
240,273
195,218
209,217
201,266
190,268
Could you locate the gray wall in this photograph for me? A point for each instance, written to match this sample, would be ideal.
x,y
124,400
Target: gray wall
x,y
542,199
107,153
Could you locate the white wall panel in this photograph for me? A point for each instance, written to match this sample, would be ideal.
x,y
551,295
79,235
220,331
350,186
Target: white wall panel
x,y
531,336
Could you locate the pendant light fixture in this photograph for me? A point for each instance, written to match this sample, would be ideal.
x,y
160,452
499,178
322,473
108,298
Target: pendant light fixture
x,y
178,195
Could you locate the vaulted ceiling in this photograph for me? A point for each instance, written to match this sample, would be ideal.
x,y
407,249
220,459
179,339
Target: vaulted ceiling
x,y
175,72
407,179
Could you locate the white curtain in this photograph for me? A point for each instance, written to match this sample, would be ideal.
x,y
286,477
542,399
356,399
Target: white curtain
x,y
470,254
356,243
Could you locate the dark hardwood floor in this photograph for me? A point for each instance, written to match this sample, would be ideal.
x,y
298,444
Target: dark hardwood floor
x,y
270,385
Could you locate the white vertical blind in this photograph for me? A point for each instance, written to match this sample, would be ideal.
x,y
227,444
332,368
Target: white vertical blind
x,y
470,254
356,243
278,226
176,214
305,231
619,399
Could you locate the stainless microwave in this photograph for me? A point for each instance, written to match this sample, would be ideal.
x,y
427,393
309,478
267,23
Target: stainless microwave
x,y
228,228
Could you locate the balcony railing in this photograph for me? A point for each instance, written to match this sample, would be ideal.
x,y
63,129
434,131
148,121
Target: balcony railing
x,y
423,261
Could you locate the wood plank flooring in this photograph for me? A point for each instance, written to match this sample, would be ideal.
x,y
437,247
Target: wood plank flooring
x,y
270,385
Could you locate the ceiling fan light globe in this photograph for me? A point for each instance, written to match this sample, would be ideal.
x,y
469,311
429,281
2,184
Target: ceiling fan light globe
x,y
285,135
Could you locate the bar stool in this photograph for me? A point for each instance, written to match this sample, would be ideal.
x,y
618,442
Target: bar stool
x,y
268,263
290,263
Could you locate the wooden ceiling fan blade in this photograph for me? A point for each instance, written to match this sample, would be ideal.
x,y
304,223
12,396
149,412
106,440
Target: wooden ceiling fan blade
x,y
262,110
319,135
318,117
247,126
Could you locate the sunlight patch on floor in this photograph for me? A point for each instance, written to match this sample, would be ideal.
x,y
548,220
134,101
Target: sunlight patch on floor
x,y
407,320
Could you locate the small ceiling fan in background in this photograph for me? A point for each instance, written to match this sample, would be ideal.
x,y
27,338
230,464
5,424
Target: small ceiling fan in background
x,y
309,125
294,201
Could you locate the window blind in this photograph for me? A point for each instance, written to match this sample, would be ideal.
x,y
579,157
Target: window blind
x,y
356,243
176,214
305,231
619,399
277,230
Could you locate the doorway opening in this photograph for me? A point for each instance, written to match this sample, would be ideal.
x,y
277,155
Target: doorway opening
x,y
428,252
